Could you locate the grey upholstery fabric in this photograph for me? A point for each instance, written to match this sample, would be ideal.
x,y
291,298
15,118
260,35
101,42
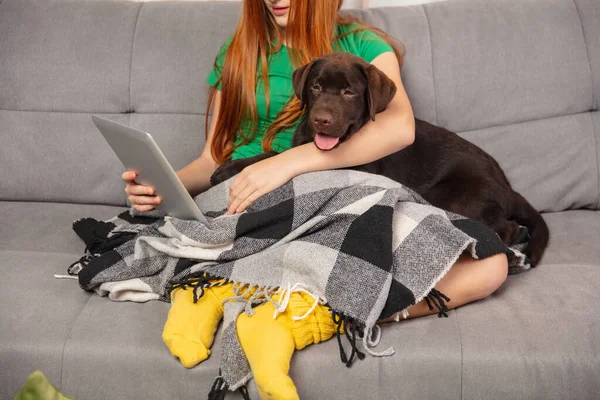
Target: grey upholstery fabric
x,y
46,227
470,66
520,78
558,156
573,238
173,51
114,350
590,21
36,316
596,121
66,56
487,72
535,338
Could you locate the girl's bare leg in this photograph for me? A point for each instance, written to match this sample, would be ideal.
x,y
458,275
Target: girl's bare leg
x,y
468,280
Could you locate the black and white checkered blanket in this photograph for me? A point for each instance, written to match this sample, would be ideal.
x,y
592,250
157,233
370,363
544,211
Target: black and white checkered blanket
x,y
363,244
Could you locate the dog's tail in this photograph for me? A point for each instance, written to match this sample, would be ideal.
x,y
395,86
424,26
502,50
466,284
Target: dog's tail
x,y
526,215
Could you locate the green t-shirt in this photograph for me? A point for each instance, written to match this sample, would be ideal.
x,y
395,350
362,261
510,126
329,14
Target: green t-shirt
x,y
365,44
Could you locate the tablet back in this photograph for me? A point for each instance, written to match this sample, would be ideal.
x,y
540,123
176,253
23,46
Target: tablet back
x,y
139,152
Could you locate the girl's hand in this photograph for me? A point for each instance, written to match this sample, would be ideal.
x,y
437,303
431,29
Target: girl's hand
x,y
141,197
256,180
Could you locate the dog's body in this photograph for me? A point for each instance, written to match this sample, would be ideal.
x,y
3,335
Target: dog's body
x,y
342,92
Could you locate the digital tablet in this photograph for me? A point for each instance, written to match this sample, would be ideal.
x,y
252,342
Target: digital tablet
x,y
139,152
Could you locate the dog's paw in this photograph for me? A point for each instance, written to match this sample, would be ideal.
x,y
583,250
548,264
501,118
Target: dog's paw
x,y
221,175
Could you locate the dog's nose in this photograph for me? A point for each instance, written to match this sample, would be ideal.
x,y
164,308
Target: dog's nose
x,y
322,120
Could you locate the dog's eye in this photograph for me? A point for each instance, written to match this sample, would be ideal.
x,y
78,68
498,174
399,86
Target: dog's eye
x,y
316,87
349,93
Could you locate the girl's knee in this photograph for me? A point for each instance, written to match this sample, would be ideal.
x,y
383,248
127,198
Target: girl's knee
x,y
495,271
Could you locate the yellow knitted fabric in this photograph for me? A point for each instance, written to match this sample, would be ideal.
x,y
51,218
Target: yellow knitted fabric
x,y
190,328
267,342
270,342
317,327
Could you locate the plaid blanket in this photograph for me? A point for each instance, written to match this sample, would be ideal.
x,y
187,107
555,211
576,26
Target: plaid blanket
x,y
361,243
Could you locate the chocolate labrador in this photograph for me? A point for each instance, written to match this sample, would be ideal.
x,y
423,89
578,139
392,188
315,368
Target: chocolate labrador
x,y
342,92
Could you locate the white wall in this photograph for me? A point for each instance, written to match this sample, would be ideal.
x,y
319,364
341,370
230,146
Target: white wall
x,y
354,3
357,3
384,3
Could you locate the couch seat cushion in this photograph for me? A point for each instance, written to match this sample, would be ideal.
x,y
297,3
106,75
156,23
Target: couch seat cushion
x,y
38,226
36,316
538,334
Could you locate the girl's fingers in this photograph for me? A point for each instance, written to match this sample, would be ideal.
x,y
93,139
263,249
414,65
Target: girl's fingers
x,y
144,199
129,176
235,192
249,200
138,190
143,207
142,190
238,199
238,182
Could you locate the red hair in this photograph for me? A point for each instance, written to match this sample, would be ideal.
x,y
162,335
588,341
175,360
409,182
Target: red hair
x,y
309,32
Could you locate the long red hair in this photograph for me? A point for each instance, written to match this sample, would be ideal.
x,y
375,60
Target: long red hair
x,y
309,33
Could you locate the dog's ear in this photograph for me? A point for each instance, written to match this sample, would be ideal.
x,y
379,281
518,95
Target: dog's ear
x,y
380,90
299,82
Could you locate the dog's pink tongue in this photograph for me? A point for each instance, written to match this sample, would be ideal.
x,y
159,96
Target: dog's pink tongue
x,y
325,142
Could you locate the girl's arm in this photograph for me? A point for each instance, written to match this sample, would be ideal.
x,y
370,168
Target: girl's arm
x,y
392,130
196,175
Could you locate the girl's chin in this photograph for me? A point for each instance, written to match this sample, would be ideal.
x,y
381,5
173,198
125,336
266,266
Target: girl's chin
x,y
281,21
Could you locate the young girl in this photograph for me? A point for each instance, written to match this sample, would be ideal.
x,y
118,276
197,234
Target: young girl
x,y
254,110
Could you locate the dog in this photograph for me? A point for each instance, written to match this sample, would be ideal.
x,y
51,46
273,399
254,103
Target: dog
x,y
341,93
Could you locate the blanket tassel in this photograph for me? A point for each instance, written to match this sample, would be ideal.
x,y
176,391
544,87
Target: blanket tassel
x,y
350,330
244,392
437,298
197,282
78,265
218,389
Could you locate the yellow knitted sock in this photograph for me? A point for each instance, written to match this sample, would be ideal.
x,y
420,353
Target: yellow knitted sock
x,y
269,343
317,327
190,328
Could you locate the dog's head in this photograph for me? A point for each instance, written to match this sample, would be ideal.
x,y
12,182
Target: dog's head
x,y
341,93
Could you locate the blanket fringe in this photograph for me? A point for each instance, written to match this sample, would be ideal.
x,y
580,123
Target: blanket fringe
x,y
284,300
351,328
369,342
219,389
403,313
244,392
252,295
241,291
61,276
437,298
197,282
74,268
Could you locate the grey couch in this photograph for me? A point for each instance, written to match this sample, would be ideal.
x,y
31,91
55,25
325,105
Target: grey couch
x,y
520,78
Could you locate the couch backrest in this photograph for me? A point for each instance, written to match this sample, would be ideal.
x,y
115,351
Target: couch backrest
x,y
520,78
